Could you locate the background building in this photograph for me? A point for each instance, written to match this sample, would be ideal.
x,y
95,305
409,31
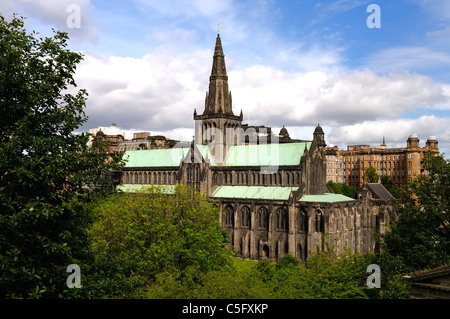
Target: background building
x,y
400,164
140,140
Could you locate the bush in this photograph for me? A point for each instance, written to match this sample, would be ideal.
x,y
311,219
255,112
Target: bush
x,y
148,237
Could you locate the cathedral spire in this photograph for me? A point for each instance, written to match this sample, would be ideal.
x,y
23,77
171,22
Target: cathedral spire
x,y
218,98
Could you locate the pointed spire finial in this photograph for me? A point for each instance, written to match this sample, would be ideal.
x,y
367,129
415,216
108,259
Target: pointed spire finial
x,y
218,25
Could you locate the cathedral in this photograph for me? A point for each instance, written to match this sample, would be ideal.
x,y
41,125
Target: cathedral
x,y
270,189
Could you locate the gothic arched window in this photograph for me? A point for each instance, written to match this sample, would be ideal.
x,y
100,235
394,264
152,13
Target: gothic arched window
x,y
229,216
263,218
282,220
302,219
245,216
320,224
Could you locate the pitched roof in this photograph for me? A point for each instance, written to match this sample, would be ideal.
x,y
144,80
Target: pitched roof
x,y
133,188
325,198
266,154
237,155
156,157
379,190
254,192
206,154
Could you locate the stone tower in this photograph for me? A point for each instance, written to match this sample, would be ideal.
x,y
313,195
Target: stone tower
x,y
218,119
432,142
314,165
413,141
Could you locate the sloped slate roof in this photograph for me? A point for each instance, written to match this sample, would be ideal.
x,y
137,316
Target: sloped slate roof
x,y
379,190
266,154
325,198
253,192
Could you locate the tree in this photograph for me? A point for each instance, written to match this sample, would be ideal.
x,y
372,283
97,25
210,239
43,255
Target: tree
x,y
341,188
389,184
421,234
152,236
370,175
44,165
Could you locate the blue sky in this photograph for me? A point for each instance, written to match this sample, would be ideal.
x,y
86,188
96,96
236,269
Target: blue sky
x,y
292,63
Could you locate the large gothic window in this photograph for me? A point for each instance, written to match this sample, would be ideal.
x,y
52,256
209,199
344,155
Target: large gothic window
x,y
245,216
302,219
320,223
229,216
282,219
263,218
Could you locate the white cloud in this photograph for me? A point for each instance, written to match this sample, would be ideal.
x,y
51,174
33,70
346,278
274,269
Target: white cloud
x,y
56,13
407,58
439,8
267,94
439,33
159,92
190,8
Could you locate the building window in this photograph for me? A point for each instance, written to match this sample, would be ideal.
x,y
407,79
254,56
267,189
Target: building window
x,y
245,216
282,219
263,218
302,219
409,164
320,225
409,172
229,216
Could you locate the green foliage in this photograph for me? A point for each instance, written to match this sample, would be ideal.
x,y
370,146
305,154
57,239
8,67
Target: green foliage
x,y
341,188
44,165
151,236
326,275
287,261
370,175
424,209
389,184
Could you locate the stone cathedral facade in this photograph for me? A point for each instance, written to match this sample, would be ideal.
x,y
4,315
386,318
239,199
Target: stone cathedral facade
x,y
270,189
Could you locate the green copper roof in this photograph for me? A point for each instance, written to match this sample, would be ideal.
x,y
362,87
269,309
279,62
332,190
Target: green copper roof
x,y
158,157
238,155
253,192
266,154
206,154
325,198
133,188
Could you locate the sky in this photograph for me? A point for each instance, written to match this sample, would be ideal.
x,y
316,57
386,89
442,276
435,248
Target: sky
x,y
360,72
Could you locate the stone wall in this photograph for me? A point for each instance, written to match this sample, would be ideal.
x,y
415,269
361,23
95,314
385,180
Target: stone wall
x,y
301,229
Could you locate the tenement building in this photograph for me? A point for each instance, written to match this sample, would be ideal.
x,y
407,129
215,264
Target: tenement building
x,y
400,164
270,189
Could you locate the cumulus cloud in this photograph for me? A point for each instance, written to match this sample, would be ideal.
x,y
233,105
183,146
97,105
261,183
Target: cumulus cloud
x,y
335,100
419,58
159,92
190,8
59,14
